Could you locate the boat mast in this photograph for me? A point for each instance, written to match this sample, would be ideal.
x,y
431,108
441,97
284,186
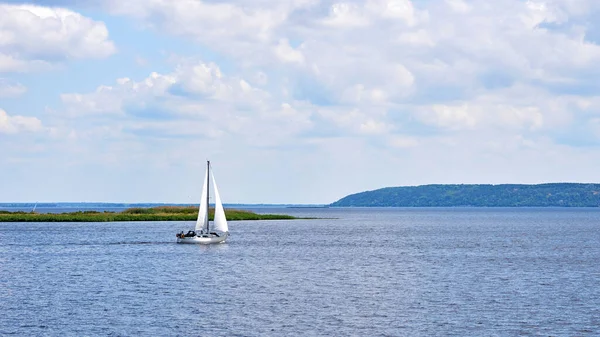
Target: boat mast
x,y
207,194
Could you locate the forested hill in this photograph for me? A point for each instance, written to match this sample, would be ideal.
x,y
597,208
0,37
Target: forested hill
x,y
509,195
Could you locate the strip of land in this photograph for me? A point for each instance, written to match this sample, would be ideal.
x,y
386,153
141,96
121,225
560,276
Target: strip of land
x,y
162,213
505,195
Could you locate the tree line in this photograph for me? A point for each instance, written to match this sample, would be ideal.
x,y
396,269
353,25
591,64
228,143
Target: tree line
x,y
478,195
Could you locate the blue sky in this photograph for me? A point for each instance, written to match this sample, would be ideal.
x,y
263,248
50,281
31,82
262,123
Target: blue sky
x,y
294,101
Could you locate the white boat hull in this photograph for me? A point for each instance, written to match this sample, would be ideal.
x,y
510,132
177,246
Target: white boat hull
x,y
205,239
219,231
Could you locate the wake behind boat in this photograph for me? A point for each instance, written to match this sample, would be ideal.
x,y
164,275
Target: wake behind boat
x,y
203,233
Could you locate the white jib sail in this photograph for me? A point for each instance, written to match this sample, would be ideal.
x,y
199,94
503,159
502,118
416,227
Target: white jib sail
x,y
220,220
202,222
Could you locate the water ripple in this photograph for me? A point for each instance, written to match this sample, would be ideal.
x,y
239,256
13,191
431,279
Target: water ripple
x,y
366,273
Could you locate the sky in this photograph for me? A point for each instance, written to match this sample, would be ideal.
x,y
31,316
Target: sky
x,y
293,101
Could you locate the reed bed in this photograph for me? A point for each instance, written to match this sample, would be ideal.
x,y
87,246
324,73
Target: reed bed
x,y
161,213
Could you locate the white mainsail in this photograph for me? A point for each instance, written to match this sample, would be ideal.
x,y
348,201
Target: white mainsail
x,y
205,233
220,220
202,222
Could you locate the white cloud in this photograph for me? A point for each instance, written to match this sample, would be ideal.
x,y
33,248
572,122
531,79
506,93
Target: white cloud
x,y
203,19
373,127
350,15
175,93
203,79
17,124
286,53
402,76
396,9
33,36
346,15
465,91
472,116
359,94
11,88
359,122
196,99
518,108
10,63
344,44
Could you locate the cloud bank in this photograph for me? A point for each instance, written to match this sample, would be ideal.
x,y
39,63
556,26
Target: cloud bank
x,y
374,93
35,37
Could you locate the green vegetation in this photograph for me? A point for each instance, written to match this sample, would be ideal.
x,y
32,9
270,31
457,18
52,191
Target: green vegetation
x,y
163,213
509,195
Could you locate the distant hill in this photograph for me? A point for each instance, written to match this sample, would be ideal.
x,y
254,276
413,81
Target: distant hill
x,y
509,195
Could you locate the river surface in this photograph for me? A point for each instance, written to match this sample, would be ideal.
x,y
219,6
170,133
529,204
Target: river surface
x,y
360,272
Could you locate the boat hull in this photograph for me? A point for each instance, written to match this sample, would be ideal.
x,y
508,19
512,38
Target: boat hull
x,y
204,239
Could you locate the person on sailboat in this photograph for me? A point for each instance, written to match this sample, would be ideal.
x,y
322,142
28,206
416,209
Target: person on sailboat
x,y
203,232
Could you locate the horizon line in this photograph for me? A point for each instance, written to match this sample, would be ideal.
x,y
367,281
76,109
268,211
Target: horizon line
x,y
158,203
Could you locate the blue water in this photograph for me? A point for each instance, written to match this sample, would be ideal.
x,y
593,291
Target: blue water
x,y
368,272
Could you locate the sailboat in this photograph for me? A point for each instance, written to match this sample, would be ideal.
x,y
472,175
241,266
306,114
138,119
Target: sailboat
x,y
204,233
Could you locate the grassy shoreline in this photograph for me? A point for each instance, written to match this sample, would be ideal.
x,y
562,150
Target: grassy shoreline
x,y
161,213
